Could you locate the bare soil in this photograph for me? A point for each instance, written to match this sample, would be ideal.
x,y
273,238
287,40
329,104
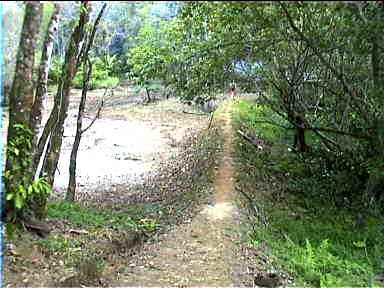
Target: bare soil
x,y
126,144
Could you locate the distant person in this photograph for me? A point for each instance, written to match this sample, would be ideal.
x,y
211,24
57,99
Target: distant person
x,y
232,90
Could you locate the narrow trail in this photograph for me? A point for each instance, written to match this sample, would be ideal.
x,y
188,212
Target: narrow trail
x,y
201,252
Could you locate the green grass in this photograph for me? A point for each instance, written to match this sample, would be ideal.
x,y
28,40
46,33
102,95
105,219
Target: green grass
x,y
152,86
132,218
109,226
106,82
309,237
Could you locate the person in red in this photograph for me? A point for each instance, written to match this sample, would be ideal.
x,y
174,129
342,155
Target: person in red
x,y
232,90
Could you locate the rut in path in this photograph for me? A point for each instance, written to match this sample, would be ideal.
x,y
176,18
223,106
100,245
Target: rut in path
x,y
200,253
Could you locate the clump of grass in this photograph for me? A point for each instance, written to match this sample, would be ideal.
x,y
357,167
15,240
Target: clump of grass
x,y
89,272
101,230
317,242
92,217
90,268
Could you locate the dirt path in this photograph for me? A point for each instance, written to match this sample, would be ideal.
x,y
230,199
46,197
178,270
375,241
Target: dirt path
x,y
198,253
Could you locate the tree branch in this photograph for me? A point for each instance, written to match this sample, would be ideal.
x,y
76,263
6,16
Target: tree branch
x,y
85,49
194,113
335,131
97,116
315,49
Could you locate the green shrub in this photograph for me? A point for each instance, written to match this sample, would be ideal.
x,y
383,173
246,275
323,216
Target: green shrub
x,y
100,78
102,74
313,232
20,187
259,118
55,70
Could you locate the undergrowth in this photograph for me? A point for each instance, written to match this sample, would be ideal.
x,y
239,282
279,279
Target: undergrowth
x,y
309,234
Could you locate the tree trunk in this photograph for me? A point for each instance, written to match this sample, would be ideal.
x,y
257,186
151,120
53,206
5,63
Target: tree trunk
x,y
62,97
299,141
39,150
87,72
148,95
21,95
41,88
299,138
71,190
375,64
21,100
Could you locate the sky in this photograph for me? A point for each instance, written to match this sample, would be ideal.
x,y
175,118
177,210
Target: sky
x,y
9,5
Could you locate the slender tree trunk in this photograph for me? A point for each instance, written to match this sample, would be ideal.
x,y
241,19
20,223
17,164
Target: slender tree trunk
x,y
69,70
39,150
148,95
299,138
375,64
87,72
21,100
41,88
300,143
296,119
71,190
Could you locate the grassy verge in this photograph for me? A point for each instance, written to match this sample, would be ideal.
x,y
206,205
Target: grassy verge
x,y
317,242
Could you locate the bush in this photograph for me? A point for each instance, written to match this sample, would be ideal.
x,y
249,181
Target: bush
x,y
107,82
102,74
20,189
345,177
100,78
311,201
55,70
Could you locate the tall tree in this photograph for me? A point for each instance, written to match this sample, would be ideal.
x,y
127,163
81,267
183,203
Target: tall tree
x,y
42,78
87,73
19,136
12,19
54,127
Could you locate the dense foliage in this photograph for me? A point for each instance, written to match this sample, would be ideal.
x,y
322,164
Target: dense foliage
x,y
320,243
26,192
316,65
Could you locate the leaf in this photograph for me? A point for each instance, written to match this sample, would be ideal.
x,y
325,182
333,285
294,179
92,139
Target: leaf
x,y
9,228
18,201
21,190
30,189
9,196
7,174
359,244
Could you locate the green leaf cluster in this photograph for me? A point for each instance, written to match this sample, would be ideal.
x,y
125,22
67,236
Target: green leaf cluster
x,y
22,187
